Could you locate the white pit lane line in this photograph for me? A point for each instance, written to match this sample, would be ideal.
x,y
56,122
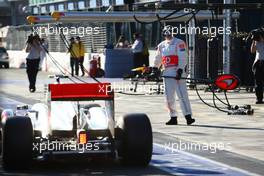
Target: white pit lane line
x,y
172,161
8,103
177,162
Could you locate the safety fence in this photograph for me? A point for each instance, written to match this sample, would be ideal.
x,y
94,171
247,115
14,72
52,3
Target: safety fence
x,y
93,41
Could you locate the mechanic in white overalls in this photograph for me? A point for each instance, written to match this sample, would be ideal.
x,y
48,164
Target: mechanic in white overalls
x,y
172,55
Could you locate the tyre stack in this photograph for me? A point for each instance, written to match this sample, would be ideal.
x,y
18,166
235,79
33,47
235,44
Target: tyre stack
x,y
241,60
215,57
237,61
200,67
206,44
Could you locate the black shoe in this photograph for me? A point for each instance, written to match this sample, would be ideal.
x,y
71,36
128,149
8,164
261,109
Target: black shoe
x,y
259,102
172,121
82,75
189,119
32,90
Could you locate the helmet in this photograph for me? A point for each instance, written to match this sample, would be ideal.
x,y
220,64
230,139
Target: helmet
x,y
167,30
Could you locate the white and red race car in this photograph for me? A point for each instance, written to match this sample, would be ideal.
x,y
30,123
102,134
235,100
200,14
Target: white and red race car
x,y
77,119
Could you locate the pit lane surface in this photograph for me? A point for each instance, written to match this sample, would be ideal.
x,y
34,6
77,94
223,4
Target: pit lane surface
x,y
165,161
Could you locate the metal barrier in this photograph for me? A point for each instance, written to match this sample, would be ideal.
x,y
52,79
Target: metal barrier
x,y
94,42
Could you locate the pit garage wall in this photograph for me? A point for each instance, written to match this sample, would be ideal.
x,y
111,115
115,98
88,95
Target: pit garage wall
x,y
18,59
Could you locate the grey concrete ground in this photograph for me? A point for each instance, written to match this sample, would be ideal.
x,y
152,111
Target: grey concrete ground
x,y
240,136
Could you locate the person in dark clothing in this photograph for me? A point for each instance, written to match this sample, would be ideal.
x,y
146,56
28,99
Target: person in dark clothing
x,y
81,52
258,66
33,48
73,59
137,49
145,53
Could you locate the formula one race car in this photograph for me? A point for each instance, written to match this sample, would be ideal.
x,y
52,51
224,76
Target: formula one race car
x,y
77,119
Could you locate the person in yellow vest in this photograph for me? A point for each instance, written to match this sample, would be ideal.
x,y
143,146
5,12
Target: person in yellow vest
x,y
80,55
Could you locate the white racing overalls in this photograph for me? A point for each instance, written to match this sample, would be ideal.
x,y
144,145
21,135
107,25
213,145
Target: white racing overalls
x,y
172,54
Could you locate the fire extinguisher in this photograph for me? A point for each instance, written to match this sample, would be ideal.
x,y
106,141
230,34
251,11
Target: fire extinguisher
x,y
93,67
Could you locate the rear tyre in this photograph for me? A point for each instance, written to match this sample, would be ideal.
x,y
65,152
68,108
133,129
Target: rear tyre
x,y
17,143
136,140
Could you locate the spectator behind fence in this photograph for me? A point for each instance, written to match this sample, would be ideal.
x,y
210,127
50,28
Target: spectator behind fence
x,y
122,42
33,48
258,66
137,49
80,55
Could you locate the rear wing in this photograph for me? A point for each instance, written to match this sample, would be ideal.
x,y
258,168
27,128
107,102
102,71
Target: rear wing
x,y
81,92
